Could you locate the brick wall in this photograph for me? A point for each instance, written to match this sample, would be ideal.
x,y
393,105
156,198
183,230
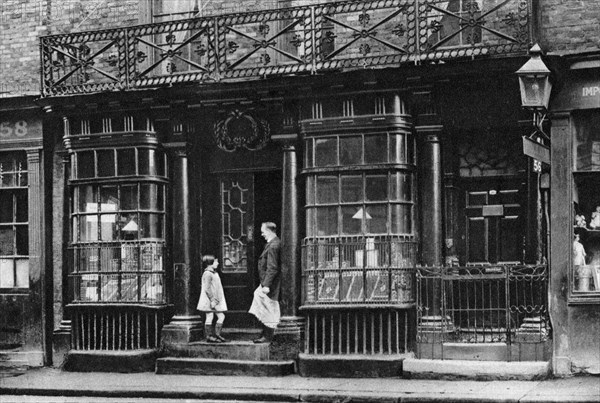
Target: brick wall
x,y
569,26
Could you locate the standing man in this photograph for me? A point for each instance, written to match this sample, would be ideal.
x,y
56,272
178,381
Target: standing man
x,y
265,305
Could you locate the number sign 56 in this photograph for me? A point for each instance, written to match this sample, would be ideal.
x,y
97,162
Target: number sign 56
x,y
17,129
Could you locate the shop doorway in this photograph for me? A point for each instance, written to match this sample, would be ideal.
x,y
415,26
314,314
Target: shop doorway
x,y
247,200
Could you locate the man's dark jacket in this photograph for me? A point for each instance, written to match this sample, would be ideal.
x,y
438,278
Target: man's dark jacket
x,y
269,268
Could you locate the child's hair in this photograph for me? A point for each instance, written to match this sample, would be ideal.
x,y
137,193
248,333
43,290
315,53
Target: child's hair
x,y
207,260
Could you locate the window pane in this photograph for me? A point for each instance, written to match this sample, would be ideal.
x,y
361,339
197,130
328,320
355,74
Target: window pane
x,y
87,199
88,228
145,165
106,163
108,227
22,206
310,190
350,150
126,162
326,151
75,232
22,273
352,190
376,217
130,227
401,219
401,185
6,211
7,273
85,164
7,241
151,197
327,189
160,163
398,148
8,180
376,187
375,149
327,221
129,197
352,218
309,153
22,240
310,222
7,162
151,226
109,198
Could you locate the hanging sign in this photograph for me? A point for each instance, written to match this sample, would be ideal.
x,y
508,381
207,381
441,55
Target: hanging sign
x,y
536,150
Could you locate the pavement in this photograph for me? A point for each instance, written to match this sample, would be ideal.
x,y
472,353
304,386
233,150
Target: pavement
x,y
293,388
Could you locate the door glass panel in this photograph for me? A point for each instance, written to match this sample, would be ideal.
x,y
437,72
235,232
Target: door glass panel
x,y
376,218
352,190
326,151
235,195
327,189
327,221
106,163
350,150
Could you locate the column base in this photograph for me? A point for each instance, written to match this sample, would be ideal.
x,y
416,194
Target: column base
x,y
61,343
182,330
288,340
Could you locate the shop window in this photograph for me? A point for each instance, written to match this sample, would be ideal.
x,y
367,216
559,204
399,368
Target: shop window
x,y
118,225
14,228
359,241
585,271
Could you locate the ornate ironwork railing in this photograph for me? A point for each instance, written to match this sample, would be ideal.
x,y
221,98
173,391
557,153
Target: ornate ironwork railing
x,y
289,41
358,271
482,304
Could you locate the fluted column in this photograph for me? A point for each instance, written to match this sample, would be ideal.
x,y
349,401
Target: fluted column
x,y
186,323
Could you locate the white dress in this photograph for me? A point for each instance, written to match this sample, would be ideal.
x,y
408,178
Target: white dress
x,y
212,291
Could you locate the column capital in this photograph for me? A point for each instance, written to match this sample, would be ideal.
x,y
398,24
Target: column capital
x,y
178,149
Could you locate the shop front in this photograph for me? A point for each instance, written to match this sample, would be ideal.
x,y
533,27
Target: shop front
x,y
575,290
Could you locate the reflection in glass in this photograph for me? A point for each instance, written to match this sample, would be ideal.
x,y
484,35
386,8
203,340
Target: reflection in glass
x,y
350,150
398,151
87,199
401,187
129,197
147,164
377,224
22,273
109,198
352,188
151,226
310,190
88,228
85,164
326,151
7,278
106,163
7,241
108,227
327,189
376,187
352,218
376,149
126,162
327,221
401,218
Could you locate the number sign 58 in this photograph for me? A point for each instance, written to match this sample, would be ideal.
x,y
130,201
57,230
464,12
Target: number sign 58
x,y
10,129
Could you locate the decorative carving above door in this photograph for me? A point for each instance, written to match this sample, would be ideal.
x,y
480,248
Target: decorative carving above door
x,y
241,129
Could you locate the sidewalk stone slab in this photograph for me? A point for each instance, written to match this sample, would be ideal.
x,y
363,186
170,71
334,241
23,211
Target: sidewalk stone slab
x,y
481,370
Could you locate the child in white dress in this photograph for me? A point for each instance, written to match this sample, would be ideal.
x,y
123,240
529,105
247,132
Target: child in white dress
x,y
212,300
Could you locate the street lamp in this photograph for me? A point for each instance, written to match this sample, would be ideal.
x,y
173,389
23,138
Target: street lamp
x,y
535,85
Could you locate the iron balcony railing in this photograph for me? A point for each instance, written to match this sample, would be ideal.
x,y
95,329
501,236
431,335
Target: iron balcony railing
x,y
283,42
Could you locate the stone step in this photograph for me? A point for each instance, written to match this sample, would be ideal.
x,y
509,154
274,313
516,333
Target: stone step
x,y
208,366
351,366
231,350
478,370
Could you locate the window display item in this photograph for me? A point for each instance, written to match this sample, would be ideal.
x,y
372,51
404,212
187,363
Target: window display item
x,y
595,222
580,220
578,252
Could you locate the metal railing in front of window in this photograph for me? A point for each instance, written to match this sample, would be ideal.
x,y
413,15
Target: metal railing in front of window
x,y
125,272
483,304
358,271
345,35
